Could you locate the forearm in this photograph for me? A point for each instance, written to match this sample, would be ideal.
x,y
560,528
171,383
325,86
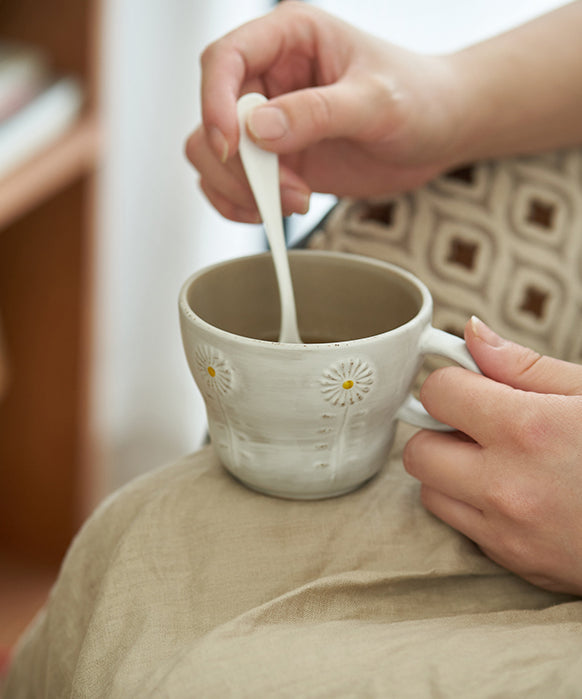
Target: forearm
x,y
521,92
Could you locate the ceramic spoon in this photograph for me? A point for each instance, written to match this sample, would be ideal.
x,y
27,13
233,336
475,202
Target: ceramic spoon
x,y
262,170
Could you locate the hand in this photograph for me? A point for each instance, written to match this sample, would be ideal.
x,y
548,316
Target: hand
x,y
349,113
511,479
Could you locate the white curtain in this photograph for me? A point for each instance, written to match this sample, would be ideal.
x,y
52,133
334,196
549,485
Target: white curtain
x,y
155,229
437,27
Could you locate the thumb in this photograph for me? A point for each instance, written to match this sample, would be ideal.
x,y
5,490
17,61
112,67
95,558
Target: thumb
x,y
518,366
296,120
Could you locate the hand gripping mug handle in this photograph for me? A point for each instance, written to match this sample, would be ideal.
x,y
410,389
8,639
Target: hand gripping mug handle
x,y
434,341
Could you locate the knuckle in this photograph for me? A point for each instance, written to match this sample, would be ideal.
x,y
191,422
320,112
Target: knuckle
x,y
213,54
516,499
526,507
516,551
533,429
290,6
392,113
192,146
408,459
296,8
497,497
210,52
320,111
434,385
528,361
414,452
385,92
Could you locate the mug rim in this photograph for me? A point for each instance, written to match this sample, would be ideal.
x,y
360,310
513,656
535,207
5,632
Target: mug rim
x,y
188,313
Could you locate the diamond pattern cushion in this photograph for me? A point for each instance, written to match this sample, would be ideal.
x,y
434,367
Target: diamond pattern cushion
x,y
500,239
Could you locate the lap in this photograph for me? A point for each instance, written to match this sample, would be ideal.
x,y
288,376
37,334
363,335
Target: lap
x,y
187,582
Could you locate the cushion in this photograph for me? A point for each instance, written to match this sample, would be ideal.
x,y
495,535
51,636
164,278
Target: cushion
x,y
500,239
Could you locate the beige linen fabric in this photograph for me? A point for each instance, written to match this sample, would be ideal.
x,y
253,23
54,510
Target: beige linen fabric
x,y
186,584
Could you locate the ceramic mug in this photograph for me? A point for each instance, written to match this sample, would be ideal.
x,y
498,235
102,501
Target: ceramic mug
x,y
316,419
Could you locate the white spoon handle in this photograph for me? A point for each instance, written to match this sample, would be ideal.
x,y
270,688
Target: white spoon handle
x,y
262,170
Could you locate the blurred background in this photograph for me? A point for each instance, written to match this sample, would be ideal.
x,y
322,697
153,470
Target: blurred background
x,y
101,221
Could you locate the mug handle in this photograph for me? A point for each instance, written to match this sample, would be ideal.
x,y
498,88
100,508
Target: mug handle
x,y
434,341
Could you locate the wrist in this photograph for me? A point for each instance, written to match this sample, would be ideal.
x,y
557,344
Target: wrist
x,y
481,115
485,111
519,92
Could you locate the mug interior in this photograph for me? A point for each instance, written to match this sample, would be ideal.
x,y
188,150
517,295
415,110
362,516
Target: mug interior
x,y
338,297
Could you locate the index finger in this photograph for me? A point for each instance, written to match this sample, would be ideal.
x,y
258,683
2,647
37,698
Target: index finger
x,y
238,62
472,403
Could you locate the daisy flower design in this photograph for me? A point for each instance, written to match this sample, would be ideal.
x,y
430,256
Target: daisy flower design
x,y
216,378
347,382
214,369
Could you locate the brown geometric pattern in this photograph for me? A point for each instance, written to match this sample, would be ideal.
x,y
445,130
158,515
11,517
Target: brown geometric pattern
x,y
500,239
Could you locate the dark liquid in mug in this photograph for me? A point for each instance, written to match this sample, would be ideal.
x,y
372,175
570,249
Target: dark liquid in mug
x,y
305,340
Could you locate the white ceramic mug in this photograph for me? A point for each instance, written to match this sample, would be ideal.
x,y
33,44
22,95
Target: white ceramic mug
x,y
317,419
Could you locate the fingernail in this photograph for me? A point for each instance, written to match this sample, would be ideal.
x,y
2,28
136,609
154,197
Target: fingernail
x,y
484,333
218,143
268,123
296,201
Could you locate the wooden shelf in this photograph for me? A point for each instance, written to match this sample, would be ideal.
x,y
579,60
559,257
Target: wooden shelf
x,y
23,591
73,155
46,261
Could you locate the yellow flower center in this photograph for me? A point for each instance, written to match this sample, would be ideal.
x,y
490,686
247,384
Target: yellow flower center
x,y
348,384
212,371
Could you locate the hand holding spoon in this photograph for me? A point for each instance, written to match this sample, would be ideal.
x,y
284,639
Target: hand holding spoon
x,y
262,170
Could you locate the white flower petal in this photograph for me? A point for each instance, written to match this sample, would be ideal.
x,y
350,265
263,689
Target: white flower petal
x,y
347,381
214,369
